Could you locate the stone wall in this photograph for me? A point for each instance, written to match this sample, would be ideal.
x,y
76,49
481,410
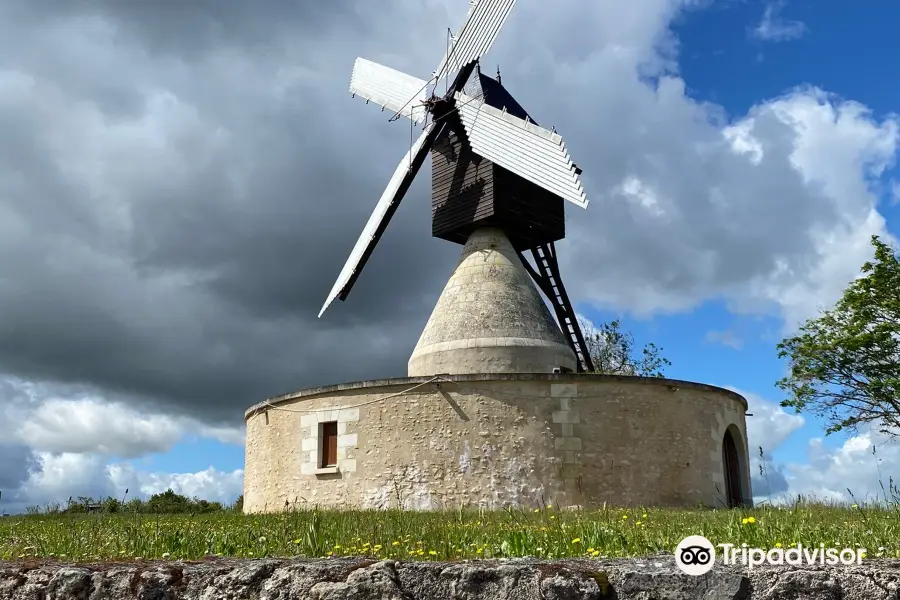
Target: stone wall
x,y
494,441
522,579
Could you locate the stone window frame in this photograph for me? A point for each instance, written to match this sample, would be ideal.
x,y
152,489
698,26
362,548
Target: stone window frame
x,y
311,441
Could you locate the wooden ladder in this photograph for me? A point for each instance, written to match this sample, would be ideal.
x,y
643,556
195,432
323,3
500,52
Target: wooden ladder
x,y
550,282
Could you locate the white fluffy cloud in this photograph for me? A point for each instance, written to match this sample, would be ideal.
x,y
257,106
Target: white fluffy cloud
x,y
770,424
725,338
211,484
863,468
65,475
87,424
856,469
772,211
62,447
775,28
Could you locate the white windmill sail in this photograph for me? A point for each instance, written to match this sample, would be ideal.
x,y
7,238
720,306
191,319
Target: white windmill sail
x,y
405,95
370,234
391,89
529,151
476,36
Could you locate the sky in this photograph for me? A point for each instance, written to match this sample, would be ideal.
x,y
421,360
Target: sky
x,y
180,184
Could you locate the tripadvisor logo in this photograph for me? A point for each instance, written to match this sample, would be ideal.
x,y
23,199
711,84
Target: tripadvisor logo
x,y
696,555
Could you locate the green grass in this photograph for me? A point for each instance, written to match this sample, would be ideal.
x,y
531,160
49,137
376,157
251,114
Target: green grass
x,y
452,535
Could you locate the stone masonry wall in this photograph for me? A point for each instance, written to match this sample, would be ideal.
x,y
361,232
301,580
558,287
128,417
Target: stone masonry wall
x,y
654,577
495,441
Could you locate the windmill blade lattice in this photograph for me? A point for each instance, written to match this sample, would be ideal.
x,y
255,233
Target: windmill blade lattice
x,y
476,36
530,151
391,89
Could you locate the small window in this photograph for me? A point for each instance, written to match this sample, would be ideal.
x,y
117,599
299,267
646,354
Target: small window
x,y
328,436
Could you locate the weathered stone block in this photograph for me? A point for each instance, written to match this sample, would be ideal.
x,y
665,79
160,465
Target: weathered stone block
x,y
567,443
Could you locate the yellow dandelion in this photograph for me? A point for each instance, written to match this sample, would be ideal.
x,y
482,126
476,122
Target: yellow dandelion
x,y
624,516
432,553
576,541
644,515
395,543
778,544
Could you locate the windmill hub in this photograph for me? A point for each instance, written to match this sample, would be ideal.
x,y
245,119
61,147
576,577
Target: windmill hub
x,y
440,106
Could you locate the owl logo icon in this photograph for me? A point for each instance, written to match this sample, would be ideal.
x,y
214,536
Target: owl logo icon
x,y
695,555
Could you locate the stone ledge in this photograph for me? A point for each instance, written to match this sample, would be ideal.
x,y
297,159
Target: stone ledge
x,y
567,378
361,579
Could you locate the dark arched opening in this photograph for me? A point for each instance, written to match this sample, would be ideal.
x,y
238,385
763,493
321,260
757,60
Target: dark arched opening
x,y
732,468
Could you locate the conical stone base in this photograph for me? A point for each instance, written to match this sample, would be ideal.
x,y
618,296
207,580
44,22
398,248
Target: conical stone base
x,y
490,318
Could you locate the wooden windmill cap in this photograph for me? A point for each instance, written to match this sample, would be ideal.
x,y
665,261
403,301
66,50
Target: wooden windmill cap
x,y
490,318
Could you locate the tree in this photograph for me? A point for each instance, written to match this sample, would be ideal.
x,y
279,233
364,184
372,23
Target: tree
x,y
845,364
613,352
168,502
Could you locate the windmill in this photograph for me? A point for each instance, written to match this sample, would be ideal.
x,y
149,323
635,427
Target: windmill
x,y
493,166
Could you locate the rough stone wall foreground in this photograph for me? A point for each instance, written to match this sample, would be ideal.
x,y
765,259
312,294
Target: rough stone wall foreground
x,y
654,578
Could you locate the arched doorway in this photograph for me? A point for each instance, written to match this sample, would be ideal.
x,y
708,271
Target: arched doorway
x,y
732,467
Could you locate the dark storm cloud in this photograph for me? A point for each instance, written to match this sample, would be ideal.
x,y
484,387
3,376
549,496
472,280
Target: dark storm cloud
x,y
17,463
176,248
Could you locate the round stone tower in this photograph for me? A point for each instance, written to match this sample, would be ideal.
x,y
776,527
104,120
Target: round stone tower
x,y
490,318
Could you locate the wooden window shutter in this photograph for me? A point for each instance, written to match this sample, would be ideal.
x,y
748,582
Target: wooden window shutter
x,y
329,444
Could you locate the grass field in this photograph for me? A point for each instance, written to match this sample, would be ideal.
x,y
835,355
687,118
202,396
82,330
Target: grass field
x,y
451,535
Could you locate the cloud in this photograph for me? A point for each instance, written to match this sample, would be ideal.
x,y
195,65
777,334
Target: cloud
x,y
856,469
82,475
211,484
179,189
768,427
862,468
59,421
19,462
725,338
774,28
